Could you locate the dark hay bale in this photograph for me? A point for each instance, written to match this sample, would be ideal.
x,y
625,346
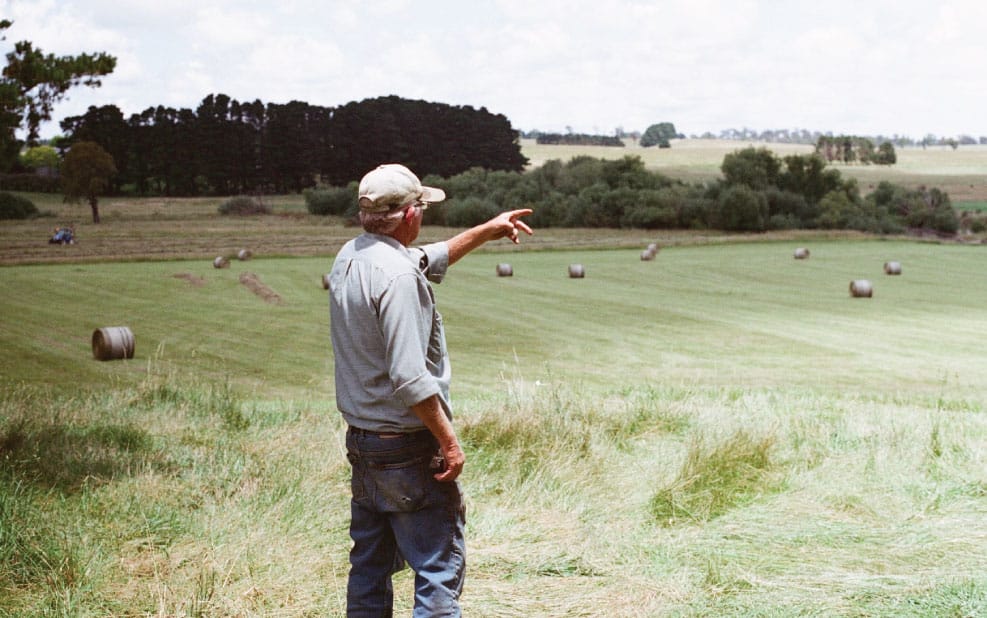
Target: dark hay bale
x,y
576,271
892,268
112,343
861,288
325,281
801,253
505,270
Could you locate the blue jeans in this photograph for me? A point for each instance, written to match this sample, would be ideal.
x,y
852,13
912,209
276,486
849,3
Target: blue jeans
x,y
400,513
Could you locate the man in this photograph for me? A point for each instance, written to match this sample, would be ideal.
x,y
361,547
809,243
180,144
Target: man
x,y
392,388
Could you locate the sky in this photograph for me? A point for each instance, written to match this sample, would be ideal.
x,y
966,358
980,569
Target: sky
x,y
864,67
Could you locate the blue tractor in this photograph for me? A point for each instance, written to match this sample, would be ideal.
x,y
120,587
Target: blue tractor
x,y
62,236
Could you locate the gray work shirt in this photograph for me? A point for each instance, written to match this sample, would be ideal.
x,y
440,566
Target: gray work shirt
x,y
387,337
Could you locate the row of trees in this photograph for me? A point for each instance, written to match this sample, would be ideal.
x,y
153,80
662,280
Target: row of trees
x,y
758,192
804,136
225,147
659,134
578,139
853,149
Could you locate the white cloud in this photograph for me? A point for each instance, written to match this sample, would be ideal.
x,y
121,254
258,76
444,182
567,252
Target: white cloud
x,y
908,67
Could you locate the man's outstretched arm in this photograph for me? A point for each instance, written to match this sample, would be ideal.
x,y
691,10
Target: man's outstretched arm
x,y
504,225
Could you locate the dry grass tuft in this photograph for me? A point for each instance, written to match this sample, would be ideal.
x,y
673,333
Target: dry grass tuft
x,y
716,478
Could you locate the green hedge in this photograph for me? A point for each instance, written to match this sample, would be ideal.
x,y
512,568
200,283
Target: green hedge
x,y
338,201
16,207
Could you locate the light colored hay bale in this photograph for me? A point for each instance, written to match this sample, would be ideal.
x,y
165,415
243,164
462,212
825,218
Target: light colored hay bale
x,y
505,270
653,247
244,254
647,255
576,271
801,253
892,268
325,281
113,343
221,262
861,288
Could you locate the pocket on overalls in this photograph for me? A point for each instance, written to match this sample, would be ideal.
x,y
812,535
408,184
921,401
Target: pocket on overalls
x,y
402,487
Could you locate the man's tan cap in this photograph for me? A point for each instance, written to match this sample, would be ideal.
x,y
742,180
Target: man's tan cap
x,y
392,185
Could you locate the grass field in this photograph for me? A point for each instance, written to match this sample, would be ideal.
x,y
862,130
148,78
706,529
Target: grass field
x,y
171,228
723,431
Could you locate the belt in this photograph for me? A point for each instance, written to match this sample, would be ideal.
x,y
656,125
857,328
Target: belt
x,y
383,434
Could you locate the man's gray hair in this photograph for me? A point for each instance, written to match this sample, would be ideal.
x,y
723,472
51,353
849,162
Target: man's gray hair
x,y
381,222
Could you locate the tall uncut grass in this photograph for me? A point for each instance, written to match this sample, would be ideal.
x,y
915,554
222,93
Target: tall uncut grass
x,y
723,431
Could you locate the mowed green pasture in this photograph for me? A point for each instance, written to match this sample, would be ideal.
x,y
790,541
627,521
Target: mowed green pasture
x,y
744,314
721,431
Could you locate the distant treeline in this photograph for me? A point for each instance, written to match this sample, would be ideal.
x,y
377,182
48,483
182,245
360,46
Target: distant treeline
x,y
791,136
803,136
578,139
225,147
758,192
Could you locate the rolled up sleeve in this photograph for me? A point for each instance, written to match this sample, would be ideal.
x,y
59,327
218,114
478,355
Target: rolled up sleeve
x,y
436,260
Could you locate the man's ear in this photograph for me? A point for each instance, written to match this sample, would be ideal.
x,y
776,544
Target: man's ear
x,y
409,214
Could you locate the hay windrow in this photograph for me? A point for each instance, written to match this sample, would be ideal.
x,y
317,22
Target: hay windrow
x,y
255,285
193,280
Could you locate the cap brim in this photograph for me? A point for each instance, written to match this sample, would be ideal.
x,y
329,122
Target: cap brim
x,y
431,194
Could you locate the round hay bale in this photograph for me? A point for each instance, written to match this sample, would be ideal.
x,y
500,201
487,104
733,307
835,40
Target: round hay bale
x,y
653,247
576,271
892,268
325,281
861,288
220,262
505,270
244,254
801,253
112,343
647,255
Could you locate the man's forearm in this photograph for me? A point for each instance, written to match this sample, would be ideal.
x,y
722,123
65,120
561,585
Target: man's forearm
x,y
464,242
504,225
430,412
